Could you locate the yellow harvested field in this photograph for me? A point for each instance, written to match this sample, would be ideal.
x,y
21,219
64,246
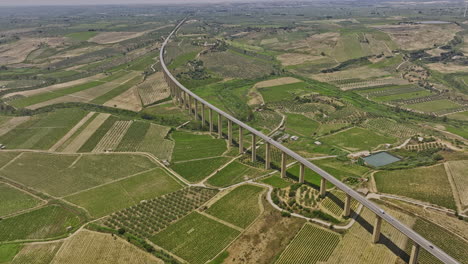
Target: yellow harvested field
x,y
112,138
92,247
12,123
37,253
89,130
58,86
76,52
153,89
447,67
288,59
276,82
129,100
71,132
359,72
372,83
358,239
114,37
458,170
17,52
419,36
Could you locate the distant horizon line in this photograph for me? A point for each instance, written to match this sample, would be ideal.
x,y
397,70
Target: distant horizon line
x,y
122,2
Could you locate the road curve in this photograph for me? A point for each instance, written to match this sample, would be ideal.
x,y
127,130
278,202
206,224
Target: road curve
x,y
411,234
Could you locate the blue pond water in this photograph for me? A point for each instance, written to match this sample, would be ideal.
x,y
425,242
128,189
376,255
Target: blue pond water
x,y
380,159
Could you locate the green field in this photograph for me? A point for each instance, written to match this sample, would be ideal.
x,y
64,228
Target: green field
x,y
402,96
239,207
341,169
234,173
433,106
46,222
195,238
309,176
61,175
282,92
81,36
191,146
300,125
6,157
429,184
118,195
276,181
311,245
8,252
98,134
357,139
42,131
197,170
14,200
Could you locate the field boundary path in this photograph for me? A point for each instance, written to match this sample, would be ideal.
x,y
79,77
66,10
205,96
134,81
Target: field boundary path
x,y
71,131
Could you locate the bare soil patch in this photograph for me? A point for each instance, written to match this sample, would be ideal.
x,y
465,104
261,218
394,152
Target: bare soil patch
x,y
17,52
359,72
114,37
447,67
129,100
81,139
71,132
276,82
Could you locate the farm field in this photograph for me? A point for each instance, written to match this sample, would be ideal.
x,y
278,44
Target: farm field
x,y
429,184
239,207
305,249
82,135
196,238
192,146
282,92
92,247
61,175
433,106
46,222
14,200
153,89
8,252
300,125
42,131
197,170
234,173
457,170
120,194
37,253
111,140
358,139
276,181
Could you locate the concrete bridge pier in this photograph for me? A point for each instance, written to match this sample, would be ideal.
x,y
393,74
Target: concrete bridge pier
x,y
210,118
254,148
347,206
283,165
241,140
301,172
195,110
323,187
190,105
229,133
414,254
267,156
377,228
185,101
220,126
203,119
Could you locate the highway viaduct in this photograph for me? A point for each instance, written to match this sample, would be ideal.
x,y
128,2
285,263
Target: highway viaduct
x,y
191,102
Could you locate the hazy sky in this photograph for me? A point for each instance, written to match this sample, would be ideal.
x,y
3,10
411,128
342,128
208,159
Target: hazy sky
x,y
94,2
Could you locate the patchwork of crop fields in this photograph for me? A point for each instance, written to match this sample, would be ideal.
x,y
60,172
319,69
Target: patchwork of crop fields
x,y
429,184
305,249
196,238
124,193
153,89
191,146
112,138
239,207
61,175
42,131
151,216
196,170
14,200
46,222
